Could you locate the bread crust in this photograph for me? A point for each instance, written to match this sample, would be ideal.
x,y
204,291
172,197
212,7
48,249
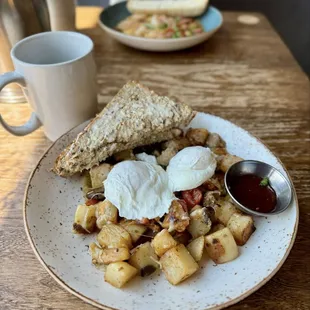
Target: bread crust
x,y
136,116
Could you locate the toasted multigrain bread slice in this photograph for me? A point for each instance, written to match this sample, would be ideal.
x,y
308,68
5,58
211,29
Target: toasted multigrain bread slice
x,y
136,116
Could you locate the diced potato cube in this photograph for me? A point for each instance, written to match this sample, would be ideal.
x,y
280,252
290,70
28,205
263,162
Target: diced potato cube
x,y
114,236
215,140
171,147
85,219
143,258
107,256
221,246
106,213
99,173
227,161
225,210
118,274
135,230
177,132
220,151
178,264
241,227
95,252
197,136
162,242
177,143
196,247
199,223
115,255
164,158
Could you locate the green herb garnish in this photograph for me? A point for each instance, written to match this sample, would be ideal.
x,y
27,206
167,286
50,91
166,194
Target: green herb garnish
x,y
149,26
178,34
163,26
264,182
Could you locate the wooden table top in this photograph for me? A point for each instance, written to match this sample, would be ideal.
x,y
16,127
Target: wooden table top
x,y
245,74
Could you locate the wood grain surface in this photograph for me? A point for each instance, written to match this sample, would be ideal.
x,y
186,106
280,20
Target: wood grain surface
x,y
244,74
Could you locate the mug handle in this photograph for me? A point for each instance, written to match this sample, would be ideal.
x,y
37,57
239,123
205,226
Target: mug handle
x,y
33,123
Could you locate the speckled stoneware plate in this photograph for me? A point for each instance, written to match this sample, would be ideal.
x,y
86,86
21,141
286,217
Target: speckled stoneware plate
x,y
211,21
49,207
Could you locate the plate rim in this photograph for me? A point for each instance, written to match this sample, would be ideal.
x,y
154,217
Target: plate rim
x,y
161,41
101,306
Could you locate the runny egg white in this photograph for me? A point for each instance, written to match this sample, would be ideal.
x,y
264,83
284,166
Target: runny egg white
x,y
191,167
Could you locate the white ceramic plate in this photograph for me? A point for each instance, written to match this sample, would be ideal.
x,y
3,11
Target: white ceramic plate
x,y
211,21
49,207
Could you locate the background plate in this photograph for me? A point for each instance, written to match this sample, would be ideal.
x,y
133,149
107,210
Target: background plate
x,y
211,21
49,207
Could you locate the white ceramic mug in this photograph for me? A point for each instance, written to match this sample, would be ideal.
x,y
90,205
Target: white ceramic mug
x,y
58,75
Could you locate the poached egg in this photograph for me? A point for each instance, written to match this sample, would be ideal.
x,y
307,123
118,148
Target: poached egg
x,y
139,189
191,167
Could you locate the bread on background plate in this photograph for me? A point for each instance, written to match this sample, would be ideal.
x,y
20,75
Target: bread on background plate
x,y
190,8
136,116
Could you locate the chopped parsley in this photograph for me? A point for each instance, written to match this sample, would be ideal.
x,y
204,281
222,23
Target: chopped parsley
x,y
149,26
264,182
